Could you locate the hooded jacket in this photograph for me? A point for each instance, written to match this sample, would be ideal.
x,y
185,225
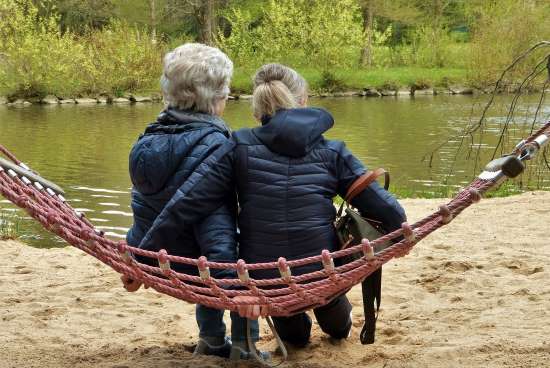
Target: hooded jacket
x,y
161,161
286,175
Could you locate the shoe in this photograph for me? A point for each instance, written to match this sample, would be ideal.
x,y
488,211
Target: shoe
x,y
205,348
238,353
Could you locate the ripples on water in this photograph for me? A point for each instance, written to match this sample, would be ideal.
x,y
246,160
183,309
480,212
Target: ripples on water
x,y
85,148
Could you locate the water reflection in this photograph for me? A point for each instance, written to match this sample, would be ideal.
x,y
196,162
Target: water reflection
x,y
85,148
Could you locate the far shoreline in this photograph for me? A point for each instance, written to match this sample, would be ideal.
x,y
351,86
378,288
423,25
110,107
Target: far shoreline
x,y
140,98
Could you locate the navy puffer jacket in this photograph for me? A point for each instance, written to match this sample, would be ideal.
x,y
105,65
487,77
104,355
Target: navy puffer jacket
x,y
161,161
286,174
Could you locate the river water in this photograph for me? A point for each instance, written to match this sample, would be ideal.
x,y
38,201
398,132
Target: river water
x,y
85,149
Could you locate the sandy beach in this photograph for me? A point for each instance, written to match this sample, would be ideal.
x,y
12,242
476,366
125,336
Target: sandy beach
x,y
475,294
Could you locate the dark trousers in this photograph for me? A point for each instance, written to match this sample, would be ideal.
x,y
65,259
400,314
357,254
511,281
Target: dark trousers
x,y
333,318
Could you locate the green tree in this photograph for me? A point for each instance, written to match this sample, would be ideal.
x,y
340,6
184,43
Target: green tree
x,y
35,56
395,11
502,30
77,15
298,32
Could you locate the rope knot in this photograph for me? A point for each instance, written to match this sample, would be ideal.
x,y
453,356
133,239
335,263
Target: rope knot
x,y
284,270
368,250
408,233
204,271
164,262
242,271
474,195
124,252
445,213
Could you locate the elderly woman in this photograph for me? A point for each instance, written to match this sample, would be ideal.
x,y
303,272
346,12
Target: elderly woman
x,y
286,175
195,84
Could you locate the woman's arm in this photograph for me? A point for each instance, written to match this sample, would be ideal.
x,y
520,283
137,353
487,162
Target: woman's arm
x,y
374,202
207,189
216,236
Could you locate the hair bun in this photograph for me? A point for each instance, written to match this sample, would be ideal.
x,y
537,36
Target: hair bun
x,y
270,73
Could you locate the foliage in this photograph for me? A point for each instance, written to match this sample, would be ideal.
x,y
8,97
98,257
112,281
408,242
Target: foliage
x,y
123,59
9,226
330,83
297,32
38,59
382,51
434,48
72,48
502,31
243,45
77,15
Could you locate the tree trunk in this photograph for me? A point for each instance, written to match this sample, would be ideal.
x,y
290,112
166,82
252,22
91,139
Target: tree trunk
x,y
437,25
368,24
206,19
153,21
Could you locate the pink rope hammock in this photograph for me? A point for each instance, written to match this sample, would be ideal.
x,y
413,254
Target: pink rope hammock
x,y
284,295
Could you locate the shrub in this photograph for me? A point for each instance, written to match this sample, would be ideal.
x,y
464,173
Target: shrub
x,y
330,83
121,59
296,32
36,58
9,226
502,32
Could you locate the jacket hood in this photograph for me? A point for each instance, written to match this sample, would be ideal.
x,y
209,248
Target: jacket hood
x,y
294,132
158,154
173,121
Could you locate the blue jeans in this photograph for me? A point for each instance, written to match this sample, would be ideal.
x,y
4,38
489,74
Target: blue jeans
x,y
210,322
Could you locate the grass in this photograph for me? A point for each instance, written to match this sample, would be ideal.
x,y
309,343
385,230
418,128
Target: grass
x,y
357,78
9,226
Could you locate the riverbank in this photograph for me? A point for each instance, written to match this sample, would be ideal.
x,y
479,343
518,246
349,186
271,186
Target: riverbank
x,y
133,99
468,295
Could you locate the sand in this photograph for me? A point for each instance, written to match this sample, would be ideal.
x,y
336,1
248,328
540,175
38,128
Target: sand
x,y
475,294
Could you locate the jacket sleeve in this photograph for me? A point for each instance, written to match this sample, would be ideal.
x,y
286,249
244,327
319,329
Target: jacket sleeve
x,y
206,190
216,236
374,202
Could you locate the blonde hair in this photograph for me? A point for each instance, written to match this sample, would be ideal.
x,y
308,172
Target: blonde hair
x,y
277,87
196,76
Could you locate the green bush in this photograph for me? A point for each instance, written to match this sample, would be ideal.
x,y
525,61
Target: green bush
x,y
330,83
295,32
121,59
9,226
502,32
36,58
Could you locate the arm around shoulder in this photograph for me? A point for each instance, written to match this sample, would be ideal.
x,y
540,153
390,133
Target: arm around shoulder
x,y
206,190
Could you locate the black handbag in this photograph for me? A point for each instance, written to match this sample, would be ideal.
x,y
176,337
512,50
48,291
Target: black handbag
x,y
351,228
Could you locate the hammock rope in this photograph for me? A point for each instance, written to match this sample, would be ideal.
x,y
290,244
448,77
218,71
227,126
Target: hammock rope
x,y
284,295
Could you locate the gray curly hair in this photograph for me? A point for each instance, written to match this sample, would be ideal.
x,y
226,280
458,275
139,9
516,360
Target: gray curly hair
x,y
196,77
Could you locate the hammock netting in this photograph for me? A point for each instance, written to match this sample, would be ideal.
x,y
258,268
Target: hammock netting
x,y
284,295
287,294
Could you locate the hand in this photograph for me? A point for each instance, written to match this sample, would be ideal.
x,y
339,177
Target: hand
x,y
253,310
129,284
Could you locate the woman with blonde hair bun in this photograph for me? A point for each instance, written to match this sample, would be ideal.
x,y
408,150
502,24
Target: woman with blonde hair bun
x,y
286,175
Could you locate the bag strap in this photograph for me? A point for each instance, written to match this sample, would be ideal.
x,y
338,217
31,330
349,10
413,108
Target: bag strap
x,y
365,180
371,289
362,182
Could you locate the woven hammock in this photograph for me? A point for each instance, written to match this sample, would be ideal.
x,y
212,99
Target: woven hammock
x,y
283,296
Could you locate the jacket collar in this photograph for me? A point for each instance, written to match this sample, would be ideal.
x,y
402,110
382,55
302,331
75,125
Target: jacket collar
x,y
188,116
